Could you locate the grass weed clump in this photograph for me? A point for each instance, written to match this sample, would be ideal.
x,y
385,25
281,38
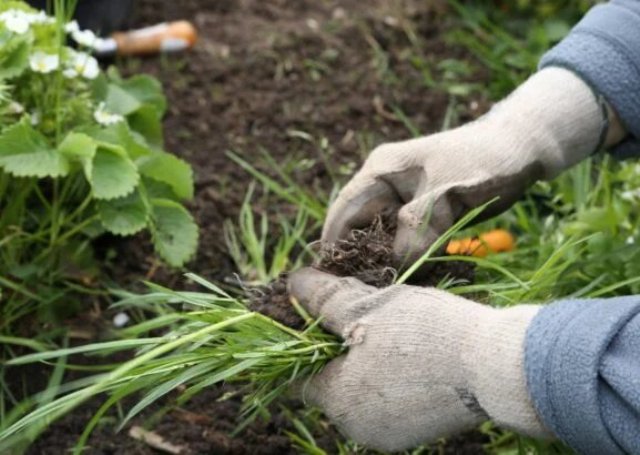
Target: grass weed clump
x,y
577,236
214,338
266,342
509,40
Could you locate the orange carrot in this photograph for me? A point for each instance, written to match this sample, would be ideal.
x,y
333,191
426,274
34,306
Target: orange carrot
x,y
494,241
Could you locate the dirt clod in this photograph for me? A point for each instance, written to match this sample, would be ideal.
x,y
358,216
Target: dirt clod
x,y
273,300
366,254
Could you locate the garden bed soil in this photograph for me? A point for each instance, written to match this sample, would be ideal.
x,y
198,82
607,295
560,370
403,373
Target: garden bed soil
x,y
300,79
287,77
203,427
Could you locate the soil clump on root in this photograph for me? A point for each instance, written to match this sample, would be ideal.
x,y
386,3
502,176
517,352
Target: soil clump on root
x,y
367,255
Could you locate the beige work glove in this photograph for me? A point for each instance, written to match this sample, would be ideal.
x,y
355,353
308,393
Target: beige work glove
x,y
550,123
421,363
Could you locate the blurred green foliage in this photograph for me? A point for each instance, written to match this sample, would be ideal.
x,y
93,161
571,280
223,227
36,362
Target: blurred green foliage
x,y
509,37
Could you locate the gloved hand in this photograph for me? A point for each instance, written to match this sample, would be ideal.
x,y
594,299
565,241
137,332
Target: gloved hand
x,y
548,124
422,363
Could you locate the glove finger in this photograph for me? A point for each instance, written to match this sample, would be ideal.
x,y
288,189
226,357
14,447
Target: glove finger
x,y
335,299
319,390
420,223
356,206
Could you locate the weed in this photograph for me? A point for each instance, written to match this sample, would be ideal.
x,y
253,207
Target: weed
x,y
509,41
217,340
284,186
250,242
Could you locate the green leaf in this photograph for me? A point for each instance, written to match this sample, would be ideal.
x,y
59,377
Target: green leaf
x,y
14,57
81,148
15,4
124,216
24,152
171,170
119,134
175,233
147,90
157,190
99,87
148,122
556,29
113,174
78,145
128,96
119,101
141,100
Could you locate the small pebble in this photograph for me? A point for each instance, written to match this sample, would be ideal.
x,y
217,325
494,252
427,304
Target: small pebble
x,y
121,319
313,24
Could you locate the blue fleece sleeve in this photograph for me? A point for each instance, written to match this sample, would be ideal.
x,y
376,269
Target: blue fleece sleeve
x,y
604,49
582,361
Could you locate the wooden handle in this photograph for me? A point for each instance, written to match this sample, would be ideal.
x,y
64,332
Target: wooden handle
x,y
165,37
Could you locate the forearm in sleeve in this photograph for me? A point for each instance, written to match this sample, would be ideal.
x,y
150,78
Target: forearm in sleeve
x,y
582,363
604,50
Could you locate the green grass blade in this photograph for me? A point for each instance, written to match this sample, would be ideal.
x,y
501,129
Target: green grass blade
x,y
104,347
443,239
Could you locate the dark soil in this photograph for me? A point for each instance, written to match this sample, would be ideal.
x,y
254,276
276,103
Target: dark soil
x,y
287,76
367,254
318,82
203,426
273,300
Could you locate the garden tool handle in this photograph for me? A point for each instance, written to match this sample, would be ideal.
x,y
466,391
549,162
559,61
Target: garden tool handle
x,y
164,37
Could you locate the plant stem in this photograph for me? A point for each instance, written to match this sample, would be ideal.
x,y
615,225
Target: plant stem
x,y
284,328
62,238
60,36
55,208
83,205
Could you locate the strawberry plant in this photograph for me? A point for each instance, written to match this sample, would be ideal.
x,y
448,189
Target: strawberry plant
x,y
81,154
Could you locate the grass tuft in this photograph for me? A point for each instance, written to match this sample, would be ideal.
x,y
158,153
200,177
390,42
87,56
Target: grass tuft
x,y
216,340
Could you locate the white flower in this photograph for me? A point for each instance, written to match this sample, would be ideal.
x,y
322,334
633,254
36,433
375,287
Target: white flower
x,y
82,64
15,108
43,63
84,37
40,18
106,118
72,27
16,21
69,73
11,13
35,118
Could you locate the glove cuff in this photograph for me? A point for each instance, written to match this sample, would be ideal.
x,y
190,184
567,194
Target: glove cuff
x,y
494,360
555,119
